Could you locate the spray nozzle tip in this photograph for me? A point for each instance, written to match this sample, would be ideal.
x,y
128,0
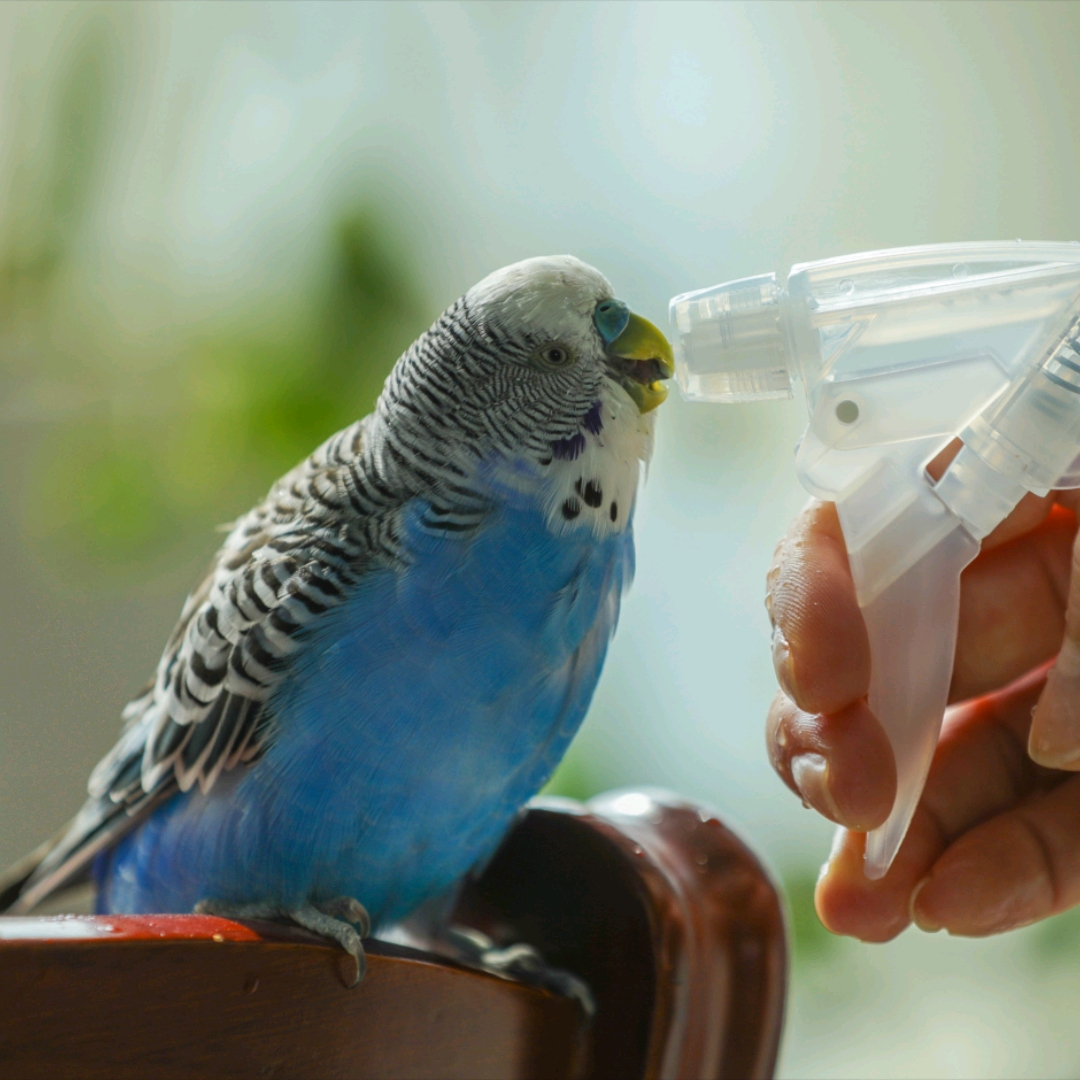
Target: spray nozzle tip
x,y
729,344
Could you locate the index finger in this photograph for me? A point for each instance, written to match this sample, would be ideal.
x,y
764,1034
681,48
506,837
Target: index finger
x,y
820,648
1012,606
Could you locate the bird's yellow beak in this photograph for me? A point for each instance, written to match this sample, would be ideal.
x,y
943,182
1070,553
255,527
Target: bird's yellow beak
x,y
640,357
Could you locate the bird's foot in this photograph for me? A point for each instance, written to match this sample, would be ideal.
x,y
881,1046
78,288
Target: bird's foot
x,y
342,919
519,962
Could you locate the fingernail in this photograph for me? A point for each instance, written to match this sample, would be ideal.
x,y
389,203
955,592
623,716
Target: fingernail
x,y
1051,756
834,849
811,775
781,658
923,921
838,840
1054,741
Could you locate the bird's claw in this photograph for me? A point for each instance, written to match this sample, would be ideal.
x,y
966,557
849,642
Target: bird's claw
x,y
342,919
520,962
349,910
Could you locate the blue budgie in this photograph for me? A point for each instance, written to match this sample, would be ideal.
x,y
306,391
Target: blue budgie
x,y
391,653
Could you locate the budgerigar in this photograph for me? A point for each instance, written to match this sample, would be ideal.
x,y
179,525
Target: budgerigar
x,y
391,653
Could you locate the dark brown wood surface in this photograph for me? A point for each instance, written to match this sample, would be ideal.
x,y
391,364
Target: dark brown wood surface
x,y
669,917
661,909
184,1004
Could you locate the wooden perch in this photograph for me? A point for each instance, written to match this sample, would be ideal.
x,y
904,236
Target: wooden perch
x,y
663,911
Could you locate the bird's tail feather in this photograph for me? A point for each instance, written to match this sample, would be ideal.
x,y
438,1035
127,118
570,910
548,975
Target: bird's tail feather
x,y
18,874
65,860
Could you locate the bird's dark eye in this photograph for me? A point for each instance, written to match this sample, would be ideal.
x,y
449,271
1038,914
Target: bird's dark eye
x,y
555,356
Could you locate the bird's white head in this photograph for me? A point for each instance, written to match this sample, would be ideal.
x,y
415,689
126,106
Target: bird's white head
x,y
541,366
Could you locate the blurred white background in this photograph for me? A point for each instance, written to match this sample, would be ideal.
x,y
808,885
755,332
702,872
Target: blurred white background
x,y
197,200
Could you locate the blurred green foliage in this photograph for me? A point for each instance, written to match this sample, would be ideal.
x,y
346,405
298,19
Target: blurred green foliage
x,y
207,433
1057,939
166,449
51,189
575,778
811,942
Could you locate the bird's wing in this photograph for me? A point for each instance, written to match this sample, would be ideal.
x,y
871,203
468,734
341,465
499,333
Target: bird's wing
x,y
286,563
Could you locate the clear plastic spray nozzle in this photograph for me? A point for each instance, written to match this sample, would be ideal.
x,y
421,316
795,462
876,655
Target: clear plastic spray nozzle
x,y
731,342
900,353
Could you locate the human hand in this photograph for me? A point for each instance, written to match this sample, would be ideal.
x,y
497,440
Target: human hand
x,y
995,841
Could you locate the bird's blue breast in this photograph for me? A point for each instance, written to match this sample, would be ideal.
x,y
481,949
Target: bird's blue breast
x,y
416,720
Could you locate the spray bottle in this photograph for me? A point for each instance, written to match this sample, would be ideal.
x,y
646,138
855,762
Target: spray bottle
x,y
901,352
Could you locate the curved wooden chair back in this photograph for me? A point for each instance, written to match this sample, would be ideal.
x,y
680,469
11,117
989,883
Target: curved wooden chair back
x,y
664,912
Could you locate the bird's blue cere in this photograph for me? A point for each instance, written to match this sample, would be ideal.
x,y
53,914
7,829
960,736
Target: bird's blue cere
x,y
610,318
